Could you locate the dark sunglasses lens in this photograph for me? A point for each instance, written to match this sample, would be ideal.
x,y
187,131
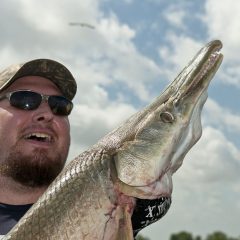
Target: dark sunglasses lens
x,y
25,100
60,105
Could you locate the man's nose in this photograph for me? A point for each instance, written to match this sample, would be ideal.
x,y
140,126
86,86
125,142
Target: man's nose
x,y
43,113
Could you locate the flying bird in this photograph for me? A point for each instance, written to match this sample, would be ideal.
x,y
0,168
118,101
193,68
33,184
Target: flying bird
x,y
81,24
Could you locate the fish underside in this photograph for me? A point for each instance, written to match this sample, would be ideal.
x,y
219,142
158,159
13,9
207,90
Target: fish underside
x,y
94,196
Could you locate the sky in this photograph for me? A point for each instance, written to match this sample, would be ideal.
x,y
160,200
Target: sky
x,y
125,58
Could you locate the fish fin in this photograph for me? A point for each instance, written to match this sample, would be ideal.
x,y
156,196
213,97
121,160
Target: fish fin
x,y
123,187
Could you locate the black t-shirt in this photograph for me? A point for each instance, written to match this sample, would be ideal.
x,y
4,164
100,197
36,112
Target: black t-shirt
x,y
145,213
10,215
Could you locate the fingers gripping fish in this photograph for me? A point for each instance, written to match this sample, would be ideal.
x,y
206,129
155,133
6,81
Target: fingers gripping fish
x,y
95,195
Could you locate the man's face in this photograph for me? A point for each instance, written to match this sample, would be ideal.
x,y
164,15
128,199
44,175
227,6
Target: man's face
x,y
33,144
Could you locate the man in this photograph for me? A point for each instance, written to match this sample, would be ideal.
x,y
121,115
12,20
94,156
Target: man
x,y
34,133
35,101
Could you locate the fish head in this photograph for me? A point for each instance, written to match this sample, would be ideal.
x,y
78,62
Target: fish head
x,y
180,113
154,141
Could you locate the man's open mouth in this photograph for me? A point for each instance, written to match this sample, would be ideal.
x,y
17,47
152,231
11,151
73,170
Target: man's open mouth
x,y
40,137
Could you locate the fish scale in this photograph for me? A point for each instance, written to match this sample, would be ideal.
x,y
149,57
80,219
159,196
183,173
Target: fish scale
x,y
95,194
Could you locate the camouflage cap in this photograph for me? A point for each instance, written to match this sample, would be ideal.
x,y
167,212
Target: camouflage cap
x,y
52,70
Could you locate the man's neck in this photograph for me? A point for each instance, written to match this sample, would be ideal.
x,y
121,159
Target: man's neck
x,y
15,193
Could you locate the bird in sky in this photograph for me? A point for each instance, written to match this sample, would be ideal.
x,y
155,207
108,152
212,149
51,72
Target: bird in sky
x,y
82,24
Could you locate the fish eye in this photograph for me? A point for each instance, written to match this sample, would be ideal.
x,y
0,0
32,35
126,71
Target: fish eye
x,y
166,117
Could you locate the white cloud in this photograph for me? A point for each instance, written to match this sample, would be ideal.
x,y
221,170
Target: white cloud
x,y
221,117
128,1
124,63
175,16
178,53
222,20
53,16
118,35
213,160
7,54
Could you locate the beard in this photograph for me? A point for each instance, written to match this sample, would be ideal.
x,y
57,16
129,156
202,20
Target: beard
x,y
35,170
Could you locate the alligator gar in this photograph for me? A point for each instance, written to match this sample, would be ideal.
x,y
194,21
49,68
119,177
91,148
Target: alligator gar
x,y
95,194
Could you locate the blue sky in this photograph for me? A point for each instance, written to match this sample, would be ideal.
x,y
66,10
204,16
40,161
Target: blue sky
x,y
134,51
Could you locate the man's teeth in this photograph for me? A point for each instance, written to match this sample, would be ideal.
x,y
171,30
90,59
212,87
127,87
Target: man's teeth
x,y
39,136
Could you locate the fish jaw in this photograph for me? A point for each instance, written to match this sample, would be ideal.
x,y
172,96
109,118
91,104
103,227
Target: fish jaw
x,y
151,145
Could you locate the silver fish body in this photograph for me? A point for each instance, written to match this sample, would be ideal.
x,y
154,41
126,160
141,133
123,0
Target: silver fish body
x,y
94,196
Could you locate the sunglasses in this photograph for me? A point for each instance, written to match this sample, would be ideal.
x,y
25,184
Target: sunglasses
x,y
29,100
